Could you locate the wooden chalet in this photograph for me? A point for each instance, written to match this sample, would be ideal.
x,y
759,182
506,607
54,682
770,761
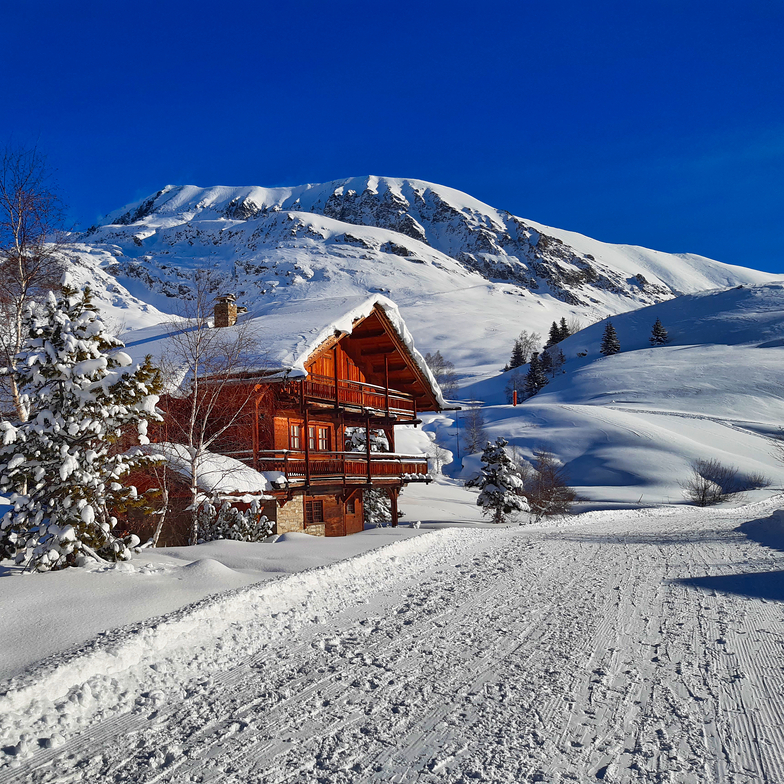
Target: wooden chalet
x,y
328,367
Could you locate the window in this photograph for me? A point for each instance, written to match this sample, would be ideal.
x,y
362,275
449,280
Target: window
x,y
323,439
318,438
350,506
314,512
294,437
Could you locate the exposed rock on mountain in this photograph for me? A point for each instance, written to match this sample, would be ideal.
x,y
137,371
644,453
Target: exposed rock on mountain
x,y
435,250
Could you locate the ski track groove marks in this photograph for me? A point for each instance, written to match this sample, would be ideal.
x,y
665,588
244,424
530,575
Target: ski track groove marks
x,y
573,656
233,682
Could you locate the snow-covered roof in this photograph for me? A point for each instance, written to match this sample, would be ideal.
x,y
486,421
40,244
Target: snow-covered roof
x,y
215,474
287,333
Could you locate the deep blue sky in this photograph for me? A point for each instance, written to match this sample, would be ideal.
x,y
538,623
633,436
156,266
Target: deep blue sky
x,y
657,123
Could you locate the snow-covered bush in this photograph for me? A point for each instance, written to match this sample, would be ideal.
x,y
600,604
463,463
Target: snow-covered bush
x,y
82,393
378,507
228,522
500,484
356,440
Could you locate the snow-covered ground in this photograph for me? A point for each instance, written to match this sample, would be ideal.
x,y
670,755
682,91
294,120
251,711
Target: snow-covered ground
x,y
628,427
637,645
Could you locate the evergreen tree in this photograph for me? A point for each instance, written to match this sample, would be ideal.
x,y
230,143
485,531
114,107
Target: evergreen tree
x,y
564,330
228,522
500,484
377,506
610,343
536,379
554,336
356,440
81,393
518,357
659,335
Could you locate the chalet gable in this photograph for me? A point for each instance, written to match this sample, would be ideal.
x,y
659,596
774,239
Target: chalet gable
x,y
375,352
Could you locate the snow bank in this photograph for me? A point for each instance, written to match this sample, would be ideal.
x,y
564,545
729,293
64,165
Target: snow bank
x,y
216,474
118,671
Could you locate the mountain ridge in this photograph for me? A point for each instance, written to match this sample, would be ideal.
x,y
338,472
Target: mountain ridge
x,y
434,250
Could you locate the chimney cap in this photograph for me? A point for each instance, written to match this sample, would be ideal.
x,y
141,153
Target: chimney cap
x,y
227,298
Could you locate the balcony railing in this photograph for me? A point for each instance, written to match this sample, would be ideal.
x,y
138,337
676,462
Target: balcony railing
x,y
359,394
329,466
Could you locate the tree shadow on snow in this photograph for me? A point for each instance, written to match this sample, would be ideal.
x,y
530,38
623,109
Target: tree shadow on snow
x,y
767,531
757,585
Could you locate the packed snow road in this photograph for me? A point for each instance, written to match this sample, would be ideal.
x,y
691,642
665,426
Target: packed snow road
x,y
638,647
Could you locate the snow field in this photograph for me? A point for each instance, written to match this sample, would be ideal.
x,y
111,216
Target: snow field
x,y
625,649
120,670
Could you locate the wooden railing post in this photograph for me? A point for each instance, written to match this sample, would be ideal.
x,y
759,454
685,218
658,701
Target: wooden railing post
x,y
306,435
256,433
386,382
337,376
367,444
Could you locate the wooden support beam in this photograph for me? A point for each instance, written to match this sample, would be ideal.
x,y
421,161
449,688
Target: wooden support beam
x,y
396,367
368,334
306,436
393,498
367,444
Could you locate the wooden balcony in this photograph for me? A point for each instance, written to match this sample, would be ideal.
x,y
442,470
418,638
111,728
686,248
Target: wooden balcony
x,y
329,467
356,394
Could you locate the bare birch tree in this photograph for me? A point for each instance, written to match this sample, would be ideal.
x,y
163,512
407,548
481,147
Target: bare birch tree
x,y
215,393
31,246
474,435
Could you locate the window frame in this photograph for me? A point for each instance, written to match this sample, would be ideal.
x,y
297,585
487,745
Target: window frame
x,y
295,436
314,509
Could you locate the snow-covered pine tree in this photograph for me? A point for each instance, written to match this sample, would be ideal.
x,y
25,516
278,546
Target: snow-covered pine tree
x,y
610,343
659,336
64,477
228,522
535,380
377,506
500,484
356,440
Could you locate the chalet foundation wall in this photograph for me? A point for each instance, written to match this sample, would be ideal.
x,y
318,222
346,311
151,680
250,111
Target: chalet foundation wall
x,y
291,517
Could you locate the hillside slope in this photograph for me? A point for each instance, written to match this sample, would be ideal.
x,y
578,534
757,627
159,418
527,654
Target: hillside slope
x,y
629,426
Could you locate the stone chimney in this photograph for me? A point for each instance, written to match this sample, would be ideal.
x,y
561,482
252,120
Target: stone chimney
x,y
226,311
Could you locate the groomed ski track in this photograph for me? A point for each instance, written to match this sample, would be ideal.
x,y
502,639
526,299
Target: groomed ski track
x,y
597,652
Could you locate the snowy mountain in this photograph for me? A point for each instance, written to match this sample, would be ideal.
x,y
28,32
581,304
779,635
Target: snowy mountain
x,y
467,277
